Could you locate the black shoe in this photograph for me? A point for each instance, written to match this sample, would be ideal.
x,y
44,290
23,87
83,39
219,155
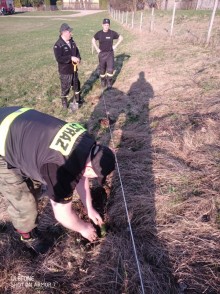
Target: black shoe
x,y
35,241
80,102
109,83
64,103
39,246
103,82
32,235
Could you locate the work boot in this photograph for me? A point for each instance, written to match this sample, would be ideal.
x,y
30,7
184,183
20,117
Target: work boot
x,y
103,82
109,82
79,100
34,240
64,103
33,234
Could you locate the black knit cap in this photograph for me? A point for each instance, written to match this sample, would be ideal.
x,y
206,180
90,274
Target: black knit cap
x,y
65,27
103,162
106,20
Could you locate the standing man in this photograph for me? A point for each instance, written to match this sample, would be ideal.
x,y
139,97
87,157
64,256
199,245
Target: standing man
x,y
61,156
106,51
68,57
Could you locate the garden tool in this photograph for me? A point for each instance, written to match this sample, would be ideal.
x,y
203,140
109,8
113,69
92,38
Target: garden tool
x,y
74,104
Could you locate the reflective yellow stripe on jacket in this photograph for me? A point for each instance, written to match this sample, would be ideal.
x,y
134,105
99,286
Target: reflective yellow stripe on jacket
x,y
5,125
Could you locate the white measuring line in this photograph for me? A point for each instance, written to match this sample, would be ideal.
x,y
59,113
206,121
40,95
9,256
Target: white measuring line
x,y
123,193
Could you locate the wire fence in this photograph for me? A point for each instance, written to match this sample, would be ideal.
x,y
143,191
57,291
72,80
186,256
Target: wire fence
x,y
191,25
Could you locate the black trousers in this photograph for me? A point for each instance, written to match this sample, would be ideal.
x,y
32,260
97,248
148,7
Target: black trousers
x,y
68,81
106,62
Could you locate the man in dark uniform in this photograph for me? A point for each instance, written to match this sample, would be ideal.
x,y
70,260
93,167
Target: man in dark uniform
x,y
68,57
62,156
106,51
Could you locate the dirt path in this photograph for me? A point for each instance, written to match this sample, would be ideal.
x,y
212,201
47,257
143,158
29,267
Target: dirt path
x,y
78,14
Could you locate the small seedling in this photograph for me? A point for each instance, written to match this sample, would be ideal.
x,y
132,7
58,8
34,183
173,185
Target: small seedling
x,y
103,231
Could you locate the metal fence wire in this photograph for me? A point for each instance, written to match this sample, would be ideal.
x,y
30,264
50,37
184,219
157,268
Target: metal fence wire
x,y
197,26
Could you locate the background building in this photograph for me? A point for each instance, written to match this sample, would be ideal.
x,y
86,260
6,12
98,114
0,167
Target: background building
x,y
80,4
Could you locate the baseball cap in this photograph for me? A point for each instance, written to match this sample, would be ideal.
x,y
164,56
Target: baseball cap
x,y
106,20
65,27
103,162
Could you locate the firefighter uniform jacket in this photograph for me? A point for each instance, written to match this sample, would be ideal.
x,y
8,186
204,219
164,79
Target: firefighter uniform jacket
x,y
63,53
106,39
44,148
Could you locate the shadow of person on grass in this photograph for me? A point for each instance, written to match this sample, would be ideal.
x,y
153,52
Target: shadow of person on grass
x,y
119,62
131,197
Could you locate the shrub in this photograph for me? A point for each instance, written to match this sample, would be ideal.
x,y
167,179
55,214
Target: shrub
x,y
103,4
17,3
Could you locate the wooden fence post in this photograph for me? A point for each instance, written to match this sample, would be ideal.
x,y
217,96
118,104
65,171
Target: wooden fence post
x,y
141,20
132,20
126,18
197,4
152,19
211,21
173,17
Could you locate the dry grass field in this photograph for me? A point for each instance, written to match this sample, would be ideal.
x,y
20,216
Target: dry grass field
x,y
164,117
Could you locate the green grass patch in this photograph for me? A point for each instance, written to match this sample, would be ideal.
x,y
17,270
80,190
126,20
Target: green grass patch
x,y
28,66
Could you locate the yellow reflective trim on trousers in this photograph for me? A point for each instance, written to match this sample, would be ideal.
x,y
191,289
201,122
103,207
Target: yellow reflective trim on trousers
x,y
5,125
66,137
